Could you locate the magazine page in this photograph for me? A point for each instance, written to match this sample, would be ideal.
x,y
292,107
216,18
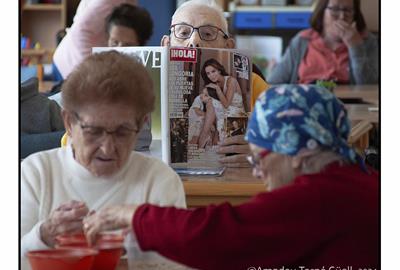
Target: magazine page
x,y
154,58
208,101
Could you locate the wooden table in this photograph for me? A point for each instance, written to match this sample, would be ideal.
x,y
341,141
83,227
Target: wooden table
x,y
236,185
363,112
363,115
366,93
152,265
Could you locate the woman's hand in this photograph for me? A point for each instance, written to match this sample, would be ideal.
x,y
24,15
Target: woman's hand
x,y
215,86
67,218
236,150
348,33
111,218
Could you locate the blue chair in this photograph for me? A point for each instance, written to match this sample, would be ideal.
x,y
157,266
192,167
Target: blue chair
x,y
32,143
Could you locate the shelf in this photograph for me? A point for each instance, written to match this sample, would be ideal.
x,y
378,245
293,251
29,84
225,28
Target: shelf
x,y
43,7
292,8
36,52
33,52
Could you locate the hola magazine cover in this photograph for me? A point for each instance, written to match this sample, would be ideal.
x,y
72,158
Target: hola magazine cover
x,y
203,97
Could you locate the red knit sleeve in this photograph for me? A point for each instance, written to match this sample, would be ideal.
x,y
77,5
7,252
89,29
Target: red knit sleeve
x,y
265,230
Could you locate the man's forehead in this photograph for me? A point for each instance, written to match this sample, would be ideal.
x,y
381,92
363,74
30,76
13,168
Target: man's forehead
x,y
197,16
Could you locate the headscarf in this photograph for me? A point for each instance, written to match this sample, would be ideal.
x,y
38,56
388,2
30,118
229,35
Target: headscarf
x,y
288,118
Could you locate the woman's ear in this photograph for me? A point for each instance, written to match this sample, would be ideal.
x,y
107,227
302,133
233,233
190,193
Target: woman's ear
x,y
296,162
298,159
67,121
165,41
230,43
142,120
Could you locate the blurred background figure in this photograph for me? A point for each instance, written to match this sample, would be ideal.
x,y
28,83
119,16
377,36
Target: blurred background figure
x,y
41,123
338,47
102,23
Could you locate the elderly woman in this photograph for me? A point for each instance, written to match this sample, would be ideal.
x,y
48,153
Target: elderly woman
x,y
338,47
321,209
106,99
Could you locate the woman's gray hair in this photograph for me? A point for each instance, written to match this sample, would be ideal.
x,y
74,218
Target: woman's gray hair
x,y
207,3
282,172
109,77
318,160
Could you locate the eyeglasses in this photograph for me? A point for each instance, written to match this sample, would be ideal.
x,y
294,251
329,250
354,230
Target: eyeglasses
x,y
335,11
94,133
206,32
255,160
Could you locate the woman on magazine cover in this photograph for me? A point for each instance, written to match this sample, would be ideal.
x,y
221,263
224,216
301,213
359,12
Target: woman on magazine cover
x,y
225,99
227,87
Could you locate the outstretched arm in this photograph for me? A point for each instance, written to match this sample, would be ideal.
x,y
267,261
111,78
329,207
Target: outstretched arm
x,y
215,237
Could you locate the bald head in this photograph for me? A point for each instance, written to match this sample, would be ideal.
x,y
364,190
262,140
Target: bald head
x,y
198,13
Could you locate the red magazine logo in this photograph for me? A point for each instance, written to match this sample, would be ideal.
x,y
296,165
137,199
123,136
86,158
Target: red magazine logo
x,y
183,54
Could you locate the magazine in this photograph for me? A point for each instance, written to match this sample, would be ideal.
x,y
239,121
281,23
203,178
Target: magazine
x,y
203,97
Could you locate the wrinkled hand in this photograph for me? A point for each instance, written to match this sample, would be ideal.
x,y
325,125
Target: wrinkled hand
x,y
237,146
348,33
67,218
111,218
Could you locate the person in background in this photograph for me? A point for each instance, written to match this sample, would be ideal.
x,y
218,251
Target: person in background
x,y
228,101
38,113
128,25
101,23
41,123
226,87
338,47
102,114
201,23
321,208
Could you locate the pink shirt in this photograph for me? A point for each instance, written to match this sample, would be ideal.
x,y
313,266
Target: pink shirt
x,y
87,31
321,62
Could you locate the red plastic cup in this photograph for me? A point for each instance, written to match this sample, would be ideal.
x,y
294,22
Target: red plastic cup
x,y
108,256
62,259
109,246
79,240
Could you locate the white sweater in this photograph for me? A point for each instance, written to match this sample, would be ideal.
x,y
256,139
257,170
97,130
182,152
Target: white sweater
x,y
53,177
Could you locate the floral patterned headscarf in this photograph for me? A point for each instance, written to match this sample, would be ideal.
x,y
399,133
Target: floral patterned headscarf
x,y
288,118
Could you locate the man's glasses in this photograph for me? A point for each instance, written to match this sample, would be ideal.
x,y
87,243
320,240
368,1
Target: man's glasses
x,y
95,134
335,11
206,32
255,160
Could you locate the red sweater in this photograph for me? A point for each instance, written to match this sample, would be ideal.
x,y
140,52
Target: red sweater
x,y
326,219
